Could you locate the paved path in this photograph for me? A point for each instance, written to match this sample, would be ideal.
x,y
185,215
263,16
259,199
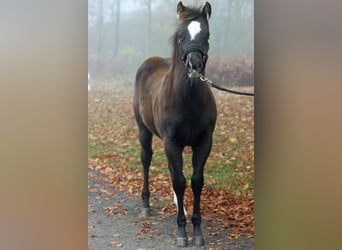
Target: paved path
x,y
114,223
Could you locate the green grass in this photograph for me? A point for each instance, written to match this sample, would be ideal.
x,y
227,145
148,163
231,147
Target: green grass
x,y
95,150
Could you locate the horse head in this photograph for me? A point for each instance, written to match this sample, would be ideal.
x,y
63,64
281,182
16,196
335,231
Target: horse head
x,y
193,38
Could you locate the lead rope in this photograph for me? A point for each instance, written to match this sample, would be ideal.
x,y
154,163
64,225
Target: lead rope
x,y
204,79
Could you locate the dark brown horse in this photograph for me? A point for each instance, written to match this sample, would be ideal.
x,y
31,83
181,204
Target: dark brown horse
x,y
171,102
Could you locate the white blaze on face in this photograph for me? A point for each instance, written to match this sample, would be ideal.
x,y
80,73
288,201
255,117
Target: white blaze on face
x,y
194,28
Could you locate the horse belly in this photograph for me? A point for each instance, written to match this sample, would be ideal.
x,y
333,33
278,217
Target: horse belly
x,y
147,116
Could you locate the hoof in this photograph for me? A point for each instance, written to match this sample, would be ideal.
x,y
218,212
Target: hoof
x,y
145,212
198,240
182,242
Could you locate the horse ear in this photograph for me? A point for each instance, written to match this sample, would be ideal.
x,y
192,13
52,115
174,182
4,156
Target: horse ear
x,y
206,10
180,8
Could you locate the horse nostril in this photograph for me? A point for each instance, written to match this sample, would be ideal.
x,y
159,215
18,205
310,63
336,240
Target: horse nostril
x,y
187,61
194,62
198,66
190,65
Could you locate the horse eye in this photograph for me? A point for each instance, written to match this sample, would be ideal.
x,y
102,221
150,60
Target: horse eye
x,y
181,39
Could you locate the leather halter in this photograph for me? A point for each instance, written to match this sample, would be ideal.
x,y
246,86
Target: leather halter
x,y
194,48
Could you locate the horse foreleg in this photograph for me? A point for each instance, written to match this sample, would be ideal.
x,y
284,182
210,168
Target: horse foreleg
x,y
179,184
145,138
199,157
174,155
176,203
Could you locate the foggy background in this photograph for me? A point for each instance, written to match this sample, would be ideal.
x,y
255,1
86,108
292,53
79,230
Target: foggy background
x,y
122,34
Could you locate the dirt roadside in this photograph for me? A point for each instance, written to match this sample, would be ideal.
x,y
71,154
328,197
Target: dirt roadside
x,y
114,223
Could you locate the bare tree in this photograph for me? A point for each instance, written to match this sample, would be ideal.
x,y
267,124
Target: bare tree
x,y
149,19
100,27
117,27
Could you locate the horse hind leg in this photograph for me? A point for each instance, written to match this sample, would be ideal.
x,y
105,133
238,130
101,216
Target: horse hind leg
x,y
145,138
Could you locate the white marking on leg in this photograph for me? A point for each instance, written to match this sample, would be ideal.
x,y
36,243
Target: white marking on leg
x,y
176,203
194,28
175,199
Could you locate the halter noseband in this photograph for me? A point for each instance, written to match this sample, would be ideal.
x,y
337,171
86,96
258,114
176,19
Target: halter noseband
x,y
193,48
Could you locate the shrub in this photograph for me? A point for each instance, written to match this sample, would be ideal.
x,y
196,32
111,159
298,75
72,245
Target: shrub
x,y
102,67
237,72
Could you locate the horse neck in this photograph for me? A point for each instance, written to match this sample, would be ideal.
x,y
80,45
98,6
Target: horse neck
x,y
180,82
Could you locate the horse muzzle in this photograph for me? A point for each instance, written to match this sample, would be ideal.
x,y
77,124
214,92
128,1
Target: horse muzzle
x,y
195,60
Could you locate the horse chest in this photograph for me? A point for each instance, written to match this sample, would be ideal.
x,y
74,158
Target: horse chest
x,y
186,131
186,123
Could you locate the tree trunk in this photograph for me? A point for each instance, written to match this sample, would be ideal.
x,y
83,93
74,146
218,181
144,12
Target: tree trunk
x,y
149,14
100,28
117,29
227,32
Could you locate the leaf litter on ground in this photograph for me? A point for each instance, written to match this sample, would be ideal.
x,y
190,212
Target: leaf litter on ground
x,y
228,193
